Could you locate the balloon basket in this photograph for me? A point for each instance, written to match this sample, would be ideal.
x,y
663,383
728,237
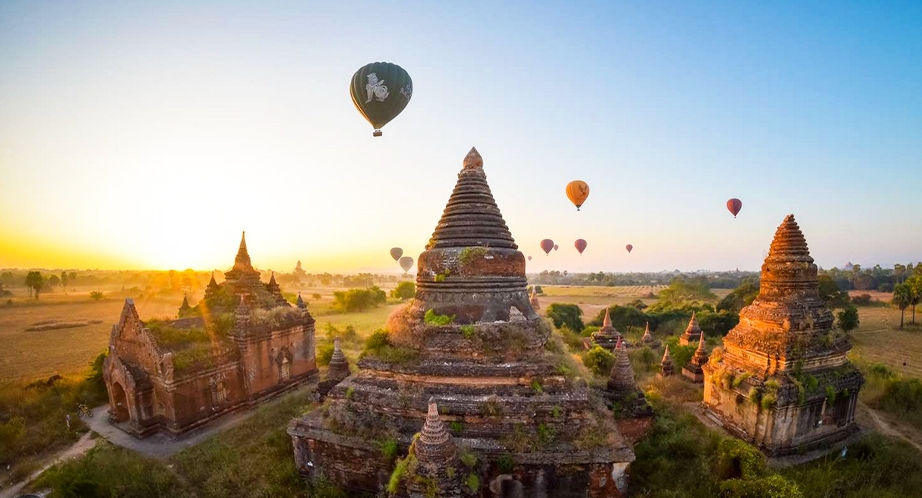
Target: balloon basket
x,y
377,133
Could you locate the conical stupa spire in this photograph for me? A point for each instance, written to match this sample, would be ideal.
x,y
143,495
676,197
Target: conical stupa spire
x,y
700,343
622,373
434,439
666,357
337,352
693,327
471,217
272,282
212,283
242,261
606,322
789,244
647,336
300,303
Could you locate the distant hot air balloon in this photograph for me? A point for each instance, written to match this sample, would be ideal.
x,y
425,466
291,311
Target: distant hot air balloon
x,y
556,247
734,205
396,252
406,263
380,91
529,258
547,245
577,191
580,245
629,248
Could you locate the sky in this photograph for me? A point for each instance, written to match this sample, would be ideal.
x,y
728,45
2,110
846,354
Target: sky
x,y
149,135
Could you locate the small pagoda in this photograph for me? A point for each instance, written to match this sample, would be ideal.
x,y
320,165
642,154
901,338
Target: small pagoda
x,y
436,461
608,336
471,342
648,340
693,371
783,381
667,368
692,333
622,391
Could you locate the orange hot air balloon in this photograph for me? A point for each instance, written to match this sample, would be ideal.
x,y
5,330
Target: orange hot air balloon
x,y
577,191
580,245
547,245
629,248
734,205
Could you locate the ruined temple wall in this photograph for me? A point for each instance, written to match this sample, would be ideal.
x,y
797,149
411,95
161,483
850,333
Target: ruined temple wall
x,y
133,345
263,358
197,396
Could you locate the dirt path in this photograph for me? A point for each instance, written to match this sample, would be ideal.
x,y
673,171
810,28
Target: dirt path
x,y
84,444
887,426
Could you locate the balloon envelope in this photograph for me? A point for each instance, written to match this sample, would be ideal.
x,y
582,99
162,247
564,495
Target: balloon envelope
x,y
380,91
556,247
547,245
577,191
734,205
580,245
529,258
396,252
629,248
406,263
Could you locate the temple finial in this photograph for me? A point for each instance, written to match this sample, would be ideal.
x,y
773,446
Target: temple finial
x,y
473,159
606,323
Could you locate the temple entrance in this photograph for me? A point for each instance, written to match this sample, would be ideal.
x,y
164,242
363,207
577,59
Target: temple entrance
x,y
119,409
285,371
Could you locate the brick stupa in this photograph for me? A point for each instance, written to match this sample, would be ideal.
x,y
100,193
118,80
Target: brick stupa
x,y
783,381
608,336
472,343
621,388
692,333
693,371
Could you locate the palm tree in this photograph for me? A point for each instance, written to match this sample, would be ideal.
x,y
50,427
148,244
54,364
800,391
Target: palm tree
x,y
902,296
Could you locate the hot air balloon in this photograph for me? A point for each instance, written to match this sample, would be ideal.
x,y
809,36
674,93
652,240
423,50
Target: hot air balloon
x,y
406,263
580,245
547,245
529,258
629,248
556,247
577,191
380,91
734,205
396,252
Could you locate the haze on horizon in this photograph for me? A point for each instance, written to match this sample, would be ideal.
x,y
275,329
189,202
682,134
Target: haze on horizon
x,y
149,136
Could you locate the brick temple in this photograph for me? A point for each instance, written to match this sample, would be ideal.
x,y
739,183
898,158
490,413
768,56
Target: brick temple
x,y
472,345
241,344
783,381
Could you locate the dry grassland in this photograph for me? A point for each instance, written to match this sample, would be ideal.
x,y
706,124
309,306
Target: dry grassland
x,y
879,340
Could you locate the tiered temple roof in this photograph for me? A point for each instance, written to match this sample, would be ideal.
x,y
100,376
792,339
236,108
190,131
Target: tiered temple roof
x,y
339,367
789,355
487,369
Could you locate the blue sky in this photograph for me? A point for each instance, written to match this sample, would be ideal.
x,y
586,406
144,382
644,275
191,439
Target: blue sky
x,y
149,135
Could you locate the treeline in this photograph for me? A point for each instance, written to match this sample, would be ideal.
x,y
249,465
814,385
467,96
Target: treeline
x,y
871,279
715,280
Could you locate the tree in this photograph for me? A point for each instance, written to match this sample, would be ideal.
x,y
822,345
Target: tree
x,y
915,292
847,319
683,290
902,296
566,314
741,296
64,281
404,290
35,281
831,293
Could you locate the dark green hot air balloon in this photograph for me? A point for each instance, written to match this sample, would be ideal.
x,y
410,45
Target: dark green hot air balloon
x,y
380,91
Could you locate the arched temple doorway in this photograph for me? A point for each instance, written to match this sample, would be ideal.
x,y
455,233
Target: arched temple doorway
x,y
119,408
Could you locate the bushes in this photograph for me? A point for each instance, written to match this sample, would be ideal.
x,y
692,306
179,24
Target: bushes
x,y
599,361
404,290
358,299
903,397
847,319
565,314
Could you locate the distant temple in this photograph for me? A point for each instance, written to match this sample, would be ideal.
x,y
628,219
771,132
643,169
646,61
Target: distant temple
x,y
241,343
692,333
467,362
783,381
608,336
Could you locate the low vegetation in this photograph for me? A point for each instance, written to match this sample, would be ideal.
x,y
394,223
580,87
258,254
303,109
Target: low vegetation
x,y
358,299
891,393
